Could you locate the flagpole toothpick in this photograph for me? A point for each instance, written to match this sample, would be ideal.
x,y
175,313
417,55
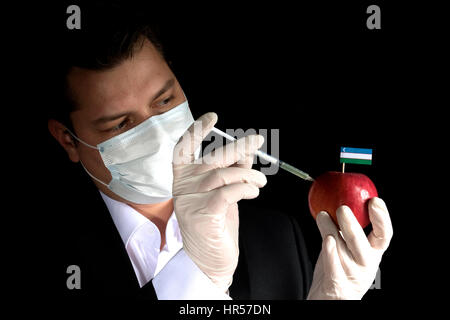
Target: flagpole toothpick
x,y
343,167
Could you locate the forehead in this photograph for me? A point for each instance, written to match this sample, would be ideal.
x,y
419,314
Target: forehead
x,y
124,85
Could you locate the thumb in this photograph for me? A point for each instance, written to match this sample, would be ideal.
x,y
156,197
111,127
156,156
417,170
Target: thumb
x,y
192,138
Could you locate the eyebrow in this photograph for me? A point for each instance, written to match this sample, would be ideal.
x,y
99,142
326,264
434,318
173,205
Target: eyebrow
x,y
109,118
169,84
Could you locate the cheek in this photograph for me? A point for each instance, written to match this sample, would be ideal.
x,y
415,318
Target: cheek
x,y
93,162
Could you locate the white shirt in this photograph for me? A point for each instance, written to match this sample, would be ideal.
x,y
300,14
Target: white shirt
x,y
174,274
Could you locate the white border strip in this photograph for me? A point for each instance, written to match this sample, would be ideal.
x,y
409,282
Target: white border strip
x,y
362,156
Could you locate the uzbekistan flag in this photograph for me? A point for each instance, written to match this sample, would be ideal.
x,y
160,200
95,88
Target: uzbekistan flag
x,y
356,155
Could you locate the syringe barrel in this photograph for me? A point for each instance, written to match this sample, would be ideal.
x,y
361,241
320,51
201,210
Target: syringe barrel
x,y
266,156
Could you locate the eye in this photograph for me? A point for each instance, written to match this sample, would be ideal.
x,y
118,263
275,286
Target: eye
x,y
120,125
165,102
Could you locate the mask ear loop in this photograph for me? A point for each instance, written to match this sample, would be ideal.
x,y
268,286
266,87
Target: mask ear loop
x,y
90,174
78,139
90,146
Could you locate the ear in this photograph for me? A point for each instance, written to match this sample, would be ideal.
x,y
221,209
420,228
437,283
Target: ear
x,y
59,132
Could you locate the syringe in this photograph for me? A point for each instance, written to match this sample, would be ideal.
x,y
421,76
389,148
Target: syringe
x,y
261,154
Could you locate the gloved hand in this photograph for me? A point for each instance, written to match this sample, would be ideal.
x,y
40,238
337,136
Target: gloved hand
x,y
348,263
206,194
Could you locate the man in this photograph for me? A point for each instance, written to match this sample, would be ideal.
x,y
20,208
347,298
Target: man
x,y
157,222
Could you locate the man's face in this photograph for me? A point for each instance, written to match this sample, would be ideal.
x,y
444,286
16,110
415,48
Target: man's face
x,y
115,100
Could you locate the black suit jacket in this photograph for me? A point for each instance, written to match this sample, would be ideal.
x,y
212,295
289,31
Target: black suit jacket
x,y
273,261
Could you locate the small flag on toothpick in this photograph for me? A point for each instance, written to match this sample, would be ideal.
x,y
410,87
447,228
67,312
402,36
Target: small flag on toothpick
x,y
355,155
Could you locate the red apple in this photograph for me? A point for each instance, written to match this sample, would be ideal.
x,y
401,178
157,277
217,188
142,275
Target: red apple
x,y
334,189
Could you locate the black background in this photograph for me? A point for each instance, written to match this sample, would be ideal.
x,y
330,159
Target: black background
x,y
313,71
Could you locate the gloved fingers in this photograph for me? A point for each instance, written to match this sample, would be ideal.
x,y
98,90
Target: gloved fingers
x,y
382,231
327,227
225,176
354,235
246,162
227,195
217,178
232,222
234,152
184,151
334,274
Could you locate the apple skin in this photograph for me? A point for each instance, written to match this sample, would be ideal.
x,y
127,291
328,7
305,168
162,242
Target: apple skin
x,y
333,189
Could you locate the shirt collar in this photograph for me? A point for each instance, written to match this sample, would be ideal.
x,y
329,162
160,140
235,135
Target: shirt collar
x,y
127,220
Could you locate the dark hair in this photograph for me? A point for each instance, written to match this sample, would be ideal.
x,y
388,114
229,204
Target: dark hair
x,y
110,33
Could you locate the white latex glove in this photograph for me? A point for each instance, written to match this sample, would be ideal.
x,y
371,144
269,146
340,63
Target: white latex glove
x,y
206,196
348,261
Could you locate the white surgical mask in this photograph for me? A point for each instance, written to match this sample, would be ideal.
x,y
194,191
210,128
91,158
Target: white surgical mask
x,y
140,159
